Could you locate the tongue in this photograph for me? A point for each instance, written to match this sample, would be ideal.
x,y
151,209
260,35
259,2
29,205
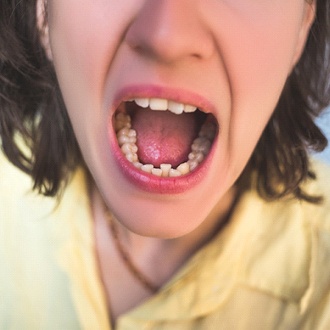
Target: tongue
x,y
164,137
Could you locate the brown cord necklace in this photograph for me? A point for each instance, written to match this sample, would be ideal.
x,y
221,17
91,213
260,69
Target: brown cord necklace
x,y
125,255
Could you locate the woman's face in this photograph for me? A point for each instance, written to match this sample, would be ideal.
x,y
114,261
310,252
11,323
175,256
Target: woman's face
x,y
228,58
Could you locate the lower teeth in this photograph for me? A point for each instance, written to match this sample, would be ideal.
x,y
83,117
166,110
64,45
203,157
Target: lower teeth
x,y
200,148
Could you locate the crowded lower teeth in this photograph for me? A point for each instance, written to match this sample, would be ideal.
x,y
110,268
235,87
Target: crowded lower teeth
x,y
200,147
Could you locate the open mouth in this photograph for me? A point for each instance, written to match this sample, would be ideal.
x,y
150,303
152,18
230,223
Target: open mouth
x,y
162,137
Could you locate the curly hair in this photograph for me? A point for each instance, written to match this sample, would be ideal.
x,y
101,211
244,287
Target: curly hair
x,y
32,110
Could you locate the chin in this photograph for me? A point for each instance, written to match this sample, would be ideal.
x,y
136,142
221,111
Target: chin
x,y
165,225
160,215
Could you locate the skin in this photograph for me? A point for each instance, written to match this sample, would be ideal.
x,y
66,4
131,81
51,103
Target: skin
x,y
245,51
236,54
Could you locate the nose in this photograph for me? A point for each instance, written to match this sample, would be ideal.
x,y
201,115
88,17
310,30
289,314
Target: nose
x,y
170,30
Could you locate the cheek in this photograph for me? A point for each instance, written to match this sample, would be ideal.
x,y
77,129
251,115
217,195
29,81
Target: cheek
x,y
84,37
257,53
76,52
82,49
262,46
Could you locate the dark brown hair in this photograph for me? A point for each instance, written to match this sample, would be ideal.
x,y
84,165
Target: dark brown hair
x,y
32,110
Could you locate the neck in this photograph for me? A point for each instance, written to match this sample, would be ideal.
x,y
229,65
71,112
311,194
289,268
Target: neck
x,y
156,259
150,252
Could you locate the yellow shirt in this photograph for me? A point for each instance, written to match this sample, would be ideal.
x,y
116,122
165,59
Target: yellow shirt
x,y
268,269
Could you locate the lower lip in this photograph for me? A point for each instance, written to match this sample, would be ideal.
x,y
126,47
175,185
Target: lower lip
x,y
154,184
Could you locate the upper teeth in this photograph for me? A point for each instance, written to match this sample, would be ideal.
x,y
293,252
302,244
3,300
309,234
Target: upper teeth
x,y
163,105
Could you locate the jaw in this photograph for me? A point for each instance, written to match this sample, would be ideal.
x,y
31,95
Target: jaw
x,y
153,205
164,207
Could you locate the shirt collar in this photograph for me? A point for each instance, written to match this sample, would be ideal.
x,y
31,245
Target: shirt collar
x,y
266,246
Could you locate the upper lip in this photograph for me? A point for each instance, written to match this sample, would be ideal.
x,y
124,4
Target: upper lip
x,y
155,91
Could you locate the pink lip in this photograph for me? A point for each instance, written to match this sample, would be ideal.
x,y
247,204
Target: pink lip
x,y
146,181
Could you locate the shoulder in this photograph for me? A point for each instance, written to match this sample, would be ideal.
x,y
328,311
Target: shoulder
x,y
34,232
288,251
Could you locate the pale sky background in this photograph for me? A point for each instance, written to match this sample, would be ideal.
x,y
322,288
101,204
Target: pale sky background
x,y
324,124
